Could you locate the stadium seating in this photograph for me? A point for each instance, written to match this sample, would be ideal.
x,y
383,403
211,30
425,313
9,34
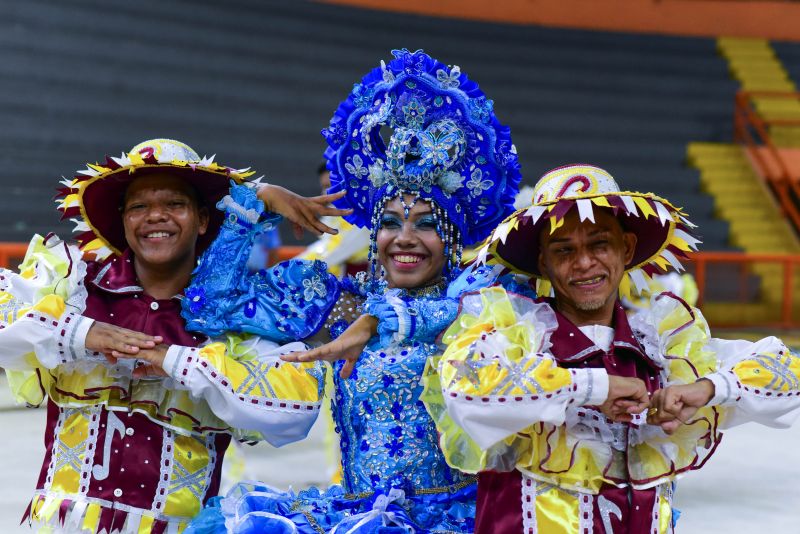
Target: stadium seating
x,y
741,196
254,81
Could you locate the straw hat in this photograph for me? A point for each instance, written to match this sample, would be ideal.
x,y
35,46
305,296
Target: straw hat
x,y
93,198
663,232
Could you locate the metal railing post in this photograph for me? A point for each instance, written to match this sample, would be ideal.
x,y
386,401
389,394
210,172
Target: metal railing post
x,y
746,118
700,278
786,304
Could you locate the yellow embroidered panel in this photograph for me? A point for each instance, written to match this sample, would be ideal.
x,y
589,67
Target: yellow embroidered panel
x,y
269,379
189,478
496,352
776,372
69,451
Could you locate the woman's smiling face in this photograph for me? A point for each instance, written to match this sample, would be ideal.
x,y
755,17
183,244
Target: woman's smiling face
x,y
410,249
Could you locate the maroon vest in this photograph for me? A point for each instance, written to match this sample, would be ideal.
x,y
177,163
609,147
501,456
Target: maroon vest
x,y
132,475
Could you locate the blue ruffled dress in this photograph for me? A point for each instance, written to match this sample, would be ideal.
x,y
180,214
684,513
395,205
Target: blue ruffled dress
x,y
395,478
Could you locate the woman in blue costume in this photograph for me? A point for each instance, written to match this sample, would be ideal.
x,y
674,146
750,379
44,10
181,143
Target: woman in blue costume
x,y
427,168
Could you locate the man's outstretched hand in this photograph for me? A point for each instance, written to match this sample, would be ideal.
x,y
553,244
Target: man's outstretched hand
x,y
675,405
626,396
117,342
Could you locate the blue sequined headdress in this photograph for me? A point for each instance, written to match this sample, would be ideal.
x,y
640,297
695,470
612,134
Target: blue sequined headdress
x,y
420,127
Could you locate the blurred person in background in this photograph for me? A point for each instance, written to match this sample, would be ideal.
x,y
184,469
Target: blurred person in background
x,y
346,252
324,176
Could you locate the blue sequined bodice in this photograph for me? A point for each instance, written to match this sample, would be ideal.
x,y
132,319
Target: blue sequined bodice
x,y
387,437
388,440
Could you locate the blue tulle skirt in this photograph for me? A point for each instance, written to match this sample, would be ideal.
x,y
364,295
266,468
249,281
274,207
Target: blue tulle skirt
x,y
253,507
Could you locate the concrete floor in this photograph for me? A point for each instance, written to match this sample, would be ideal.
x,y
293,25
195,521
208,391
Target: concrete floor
x,y
752,484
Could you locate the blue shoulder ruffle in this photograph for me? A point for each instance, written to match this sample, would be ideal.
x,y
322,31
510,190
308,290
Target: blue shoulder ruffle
x,y
233,291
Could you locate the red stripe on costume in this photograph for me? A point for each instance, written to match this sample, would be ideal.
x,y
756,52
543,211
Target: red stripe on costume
x,y
585,185
63,509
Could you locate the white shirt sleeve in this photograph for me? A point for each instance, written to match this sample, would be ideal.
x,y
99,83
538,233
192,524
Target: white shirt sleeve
x,y
40,309
261,393
757,382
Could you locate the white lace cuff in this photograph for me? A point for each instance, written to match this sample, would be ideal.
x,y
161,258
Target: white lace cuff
x,y
591,386
178,363
726,388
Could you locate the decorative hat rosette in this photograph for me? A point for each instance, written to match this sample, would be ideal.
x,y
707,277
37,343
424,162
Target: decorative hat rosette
x,y
420,127
664,234
93,198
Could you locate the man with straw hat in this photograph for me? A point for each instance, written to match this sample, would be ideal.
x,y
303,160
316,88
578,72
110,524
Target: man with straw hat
x,y
544,396
134,446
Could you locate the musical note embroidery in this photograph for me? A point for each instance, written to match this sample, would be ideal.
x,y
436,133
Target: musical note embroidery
x,y
113,424
607,509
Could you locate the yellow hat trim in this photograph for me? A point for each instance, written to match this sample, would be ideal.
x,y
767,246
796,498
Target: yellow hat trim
x,y
636,204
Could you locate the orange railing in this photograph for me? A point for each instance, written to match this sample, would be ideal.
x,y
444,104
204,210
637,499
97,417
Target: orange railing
x,y
11,254
740,18
700,264
747,291
752,130
286,253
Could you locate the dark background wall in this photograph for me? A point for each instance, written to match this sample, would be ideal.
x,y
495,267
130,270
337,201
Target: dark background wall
x,y
254,81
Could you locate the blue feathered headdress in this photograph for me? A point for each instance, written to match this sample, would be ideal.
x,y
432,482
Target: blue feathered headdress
x,y
418,126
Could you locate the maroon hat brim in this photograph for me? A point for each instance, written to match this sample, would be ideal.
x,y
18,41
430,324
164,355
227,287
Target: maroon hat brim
x,y
522,246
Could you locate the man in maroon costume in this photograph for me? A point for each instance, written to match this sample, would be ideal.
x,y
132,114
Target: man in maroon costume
x,y
128,448
546,393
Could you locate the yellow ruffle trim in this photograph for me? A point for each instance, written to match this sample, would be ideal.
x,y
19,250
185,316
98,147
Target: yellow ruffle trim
x,y
554,454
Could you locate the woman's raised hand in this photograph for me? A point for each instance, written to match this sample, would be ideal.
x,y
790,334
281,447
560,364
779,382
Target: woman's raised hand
x,y
347,347
302,212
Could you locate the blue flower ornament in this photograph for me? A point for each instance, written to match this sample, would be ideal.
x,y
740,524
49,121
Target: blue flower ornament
x,y
418,126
